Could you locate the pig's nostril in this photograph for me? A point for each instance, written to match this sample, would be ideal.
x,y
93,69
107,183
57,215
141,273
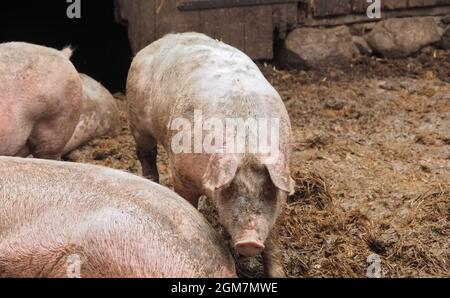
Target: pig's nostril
x,y
249,248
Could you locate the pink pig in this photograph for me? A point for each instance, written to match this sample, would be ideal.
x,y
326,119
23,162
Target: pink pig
x,y
73,220
184,74
40,104
99,115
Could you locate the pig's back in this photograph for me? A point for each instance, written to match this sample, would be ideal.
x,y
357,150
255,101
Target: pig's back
x,y
100,106
182,72
123,224
34,73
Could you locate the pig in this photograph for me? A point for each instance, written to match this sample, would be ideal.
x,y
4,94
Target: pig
x,y
181,73
99,115
40,104
62,219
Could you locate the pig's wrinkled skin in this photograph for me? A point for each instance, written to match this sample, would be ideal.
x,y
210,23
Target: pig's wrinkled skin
x,y
40,100
118,224
181,73
99,115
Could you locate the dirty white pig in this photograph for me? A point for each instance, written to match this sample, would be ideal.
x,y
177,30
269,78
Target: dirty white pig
x,y
99,115
62,220
182,75
40,100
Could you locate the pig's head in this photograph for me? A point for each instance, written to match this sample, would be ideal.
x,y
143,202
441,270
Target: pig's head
x,y
249,196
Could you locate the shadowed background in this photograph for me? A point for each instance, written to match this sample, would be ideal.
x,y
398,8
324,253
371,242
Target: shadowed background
x,y
102,48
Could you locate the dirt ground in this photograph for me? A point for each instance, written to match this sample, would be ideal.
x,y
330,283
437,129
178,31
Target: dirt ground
x,y
372,165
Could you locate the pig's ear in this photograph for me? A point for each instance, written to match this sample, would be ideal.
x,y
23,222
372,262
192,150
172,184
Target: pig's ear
x,y
280,174
220,172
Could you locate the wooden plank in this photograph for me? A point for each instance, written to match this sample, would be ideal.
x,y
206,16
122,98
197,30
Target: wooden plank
x,y
284,16
292,13
280,19
425,3
223,25
360,6
259,32
185,21
236,36
220,24
362,18
301,13
394,4
214,4
163,17
324,8
141,23
209,22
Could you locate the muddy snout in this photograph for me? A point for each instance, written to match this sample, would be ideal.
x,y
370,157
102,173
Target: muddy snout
x,y
249,244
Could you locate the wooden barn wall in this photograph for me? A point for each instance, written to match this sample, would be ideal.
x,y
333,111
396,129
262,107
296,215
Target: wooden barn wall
x,y
250,28
327,8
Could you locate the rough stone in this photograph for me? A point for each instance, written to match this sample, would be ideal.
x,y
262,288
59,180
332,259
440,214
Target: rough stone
x,y
399,38
317,48
362,45
361,29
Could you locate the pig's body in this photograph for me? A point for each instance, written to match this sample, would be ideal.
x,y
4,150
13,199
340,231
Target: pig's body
x,y
40,100
181,73
99,115
119,225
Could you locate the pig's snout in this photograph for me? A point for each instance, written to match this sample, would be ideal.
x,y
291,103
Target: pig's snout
x,y
250,244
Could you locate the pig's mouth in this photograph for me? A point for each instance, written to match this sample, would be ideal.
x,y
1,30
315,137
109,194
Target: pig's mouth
x,y
250,245
249,249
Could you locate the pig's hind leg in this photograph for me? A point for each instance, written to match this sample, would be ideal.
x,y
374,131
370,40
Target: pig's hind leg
x,y
52,132
49,138
13,140
147,152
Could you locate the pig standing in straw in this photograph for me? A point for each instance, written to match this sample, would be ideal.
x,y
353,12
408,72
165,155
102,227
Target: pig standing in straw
x,y
180,90
40,100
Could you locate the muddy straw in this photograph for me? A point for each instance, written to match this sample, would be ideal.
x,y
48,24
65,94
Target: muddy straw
x,y
371,160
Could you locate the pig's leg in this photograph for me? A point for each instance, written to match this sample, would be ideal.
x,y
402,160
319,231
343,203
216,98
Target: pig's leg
x,y
147,152
48,138
272,255
13,139
51,134
148,159
46,148
24,152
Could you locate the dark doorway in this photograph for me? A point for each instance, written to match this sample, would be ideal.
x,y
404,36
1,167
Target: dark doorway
x,y
102,48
